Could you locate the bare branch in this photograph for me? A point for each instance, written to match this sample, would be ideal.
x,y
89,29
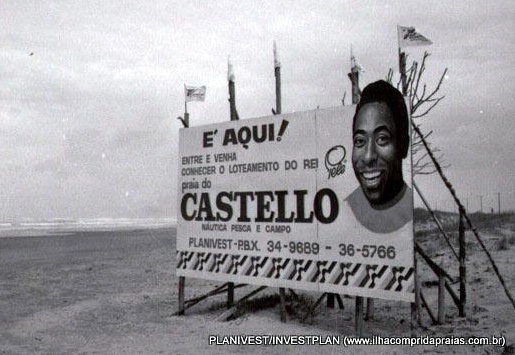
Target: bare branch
x,y
437,88
434,103
422,102
389,76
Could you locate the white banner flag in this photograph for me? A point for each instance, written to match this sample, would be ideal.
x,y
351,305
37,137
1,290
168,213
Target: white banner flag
x,y
194,93
408,36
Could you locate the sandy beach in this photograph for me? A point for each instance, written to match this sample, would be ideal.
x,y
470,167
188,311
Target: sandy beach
x,y
115,292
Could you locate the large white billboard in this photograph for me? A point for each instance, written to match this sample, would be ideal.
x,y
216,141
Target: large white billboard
x,y
292,201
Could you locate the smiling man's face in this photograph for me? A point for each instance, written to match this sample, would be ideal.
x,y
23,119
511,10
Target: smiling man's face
x,y
376,158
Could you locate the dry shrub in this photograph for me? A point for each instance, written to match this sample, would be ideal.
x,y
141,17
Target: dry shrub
x,y
505,242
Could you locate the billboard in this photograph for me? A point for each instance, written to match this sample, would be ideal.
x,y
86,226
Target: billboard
x,y
288,201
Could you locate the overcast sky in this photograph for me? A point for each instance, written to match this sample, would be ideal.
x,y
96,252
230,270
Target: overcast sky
x,y
90,90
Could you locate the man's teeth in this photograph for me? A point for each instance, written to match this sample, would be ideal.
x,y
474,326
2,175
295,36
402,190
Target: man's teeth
x,y
372,175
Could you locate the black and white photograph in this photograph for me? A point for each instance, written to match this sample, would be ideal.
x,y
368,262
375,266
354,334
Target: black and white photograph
x,y
269,177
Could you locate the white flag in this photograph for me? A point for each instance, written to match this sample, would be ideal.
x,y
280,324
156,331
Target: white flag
x,y
230,70
408,36
194,93
354,63
277,63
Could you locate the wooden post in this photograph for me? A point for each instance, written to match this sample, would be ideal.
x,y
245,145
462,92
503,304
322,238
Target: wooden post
x,y
330,300
354,79
230,294
232,91
232,101
359,317
415,320
234,116
356,93
435,218
370,309
186,115
282,297
402,70
182,281
277,70
441,299
463,273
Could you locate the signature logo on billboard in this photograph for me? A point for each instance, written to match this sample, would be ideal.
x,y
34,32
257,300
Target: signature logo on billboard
x,y
335,161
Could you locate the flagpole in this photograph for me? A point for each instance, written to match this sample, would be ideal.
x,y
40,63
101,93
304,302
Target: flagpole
x,y
186,114
354,78
277,70
232,90
402,63
415,306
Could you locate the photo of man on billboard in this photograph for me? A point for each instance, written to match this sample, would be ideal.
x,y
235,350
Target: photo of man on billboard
x,y
383,203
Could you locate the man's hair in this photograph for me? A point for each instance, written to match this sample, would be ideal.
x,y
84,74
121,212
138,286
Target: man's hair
x,y
381,91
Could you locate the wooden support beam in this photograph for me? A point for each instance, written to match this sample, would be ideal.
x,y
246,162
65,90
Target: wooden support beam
x,y
415,319
437,221
370,309
435,267
230,294
330,300
182,280
311,310
339,299
282,305
463,268
441,299
358,326
215,291
426,306
193,301
294,294
452,293
230,312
